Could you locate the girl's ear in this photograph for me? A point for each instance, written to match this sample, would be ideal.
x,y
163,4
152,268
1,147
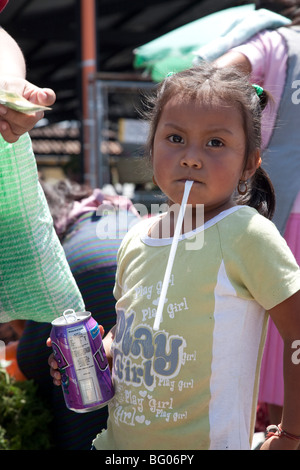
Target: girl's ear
x,y
254,162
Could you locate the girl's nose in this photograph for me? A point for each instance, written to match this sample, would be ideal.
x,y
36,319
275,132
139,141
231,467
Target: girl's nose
x,y
191,159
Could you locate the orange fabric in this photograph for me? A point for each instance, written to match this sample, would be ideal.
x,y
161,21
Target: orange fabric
x,y
11,356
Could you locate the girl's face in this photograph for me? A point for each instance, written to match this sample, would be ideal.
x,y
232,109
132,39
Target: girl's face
x,y
204,144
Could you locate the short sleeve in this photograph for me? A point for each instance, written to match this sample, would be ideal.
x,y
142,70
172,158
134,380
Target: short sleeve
x,y
260,263
266,52
268,55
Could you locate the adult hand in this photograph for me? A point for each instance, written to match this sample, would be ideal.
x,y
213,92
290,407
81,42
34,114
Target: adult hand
x,y
13,124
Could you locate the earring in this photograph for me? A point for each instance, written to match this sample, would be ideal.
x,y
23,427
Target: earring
x,y
242,187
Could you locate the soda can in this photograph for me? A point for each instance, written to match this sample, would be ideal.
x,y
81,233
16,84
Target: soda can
x,y
79,352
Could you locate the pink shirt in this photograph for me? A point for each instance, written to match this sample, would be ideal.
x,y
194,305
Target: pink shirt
x,y
268,54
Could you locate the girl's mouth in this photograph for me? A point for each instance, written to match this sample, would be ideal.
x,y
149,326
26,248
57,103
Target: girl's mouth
x,y
183,180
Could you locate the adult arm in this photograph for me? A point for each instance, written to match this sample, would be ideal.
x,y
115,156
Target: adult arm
x,y
13,78
233,58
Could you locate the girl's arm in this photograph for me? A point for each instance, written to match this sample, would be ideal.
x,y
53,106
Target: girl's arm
x,y
286,317
12,78
107,342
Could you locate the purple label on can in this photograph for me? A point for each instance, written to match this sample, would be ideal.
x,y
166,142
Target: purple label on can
x,y
79,352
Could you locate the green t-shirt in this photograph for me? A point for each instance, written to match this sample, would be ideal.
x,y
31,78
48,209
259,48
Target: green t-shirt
x,y
193,383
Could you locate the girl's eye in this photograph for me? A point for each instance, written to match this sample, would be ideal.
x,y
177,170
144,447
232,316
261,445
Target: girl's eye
x,y
175,139
215,143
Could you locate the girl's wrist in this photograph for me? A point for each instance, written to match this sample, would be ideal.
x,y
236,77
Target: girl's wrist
x,y
278,431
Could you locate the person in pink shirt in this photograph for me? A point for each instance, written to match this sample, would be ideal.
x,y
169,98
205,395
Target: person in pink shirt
x,y
268,58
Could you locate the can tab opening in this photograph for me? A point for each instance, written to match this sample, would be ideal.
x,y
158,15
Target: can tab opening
x,y
71,316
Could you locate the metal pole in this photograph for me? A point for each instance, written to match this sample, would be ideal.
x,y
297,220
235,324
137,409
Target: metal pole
x,y
89,67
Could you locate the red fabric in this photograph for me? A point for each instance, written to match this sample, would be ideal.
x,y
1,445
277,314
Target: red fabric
x,y
262,417
3,4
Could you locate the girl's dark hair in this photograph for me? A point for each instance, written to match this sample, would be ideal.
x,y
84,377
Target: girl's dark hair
x,y
288,8
229,86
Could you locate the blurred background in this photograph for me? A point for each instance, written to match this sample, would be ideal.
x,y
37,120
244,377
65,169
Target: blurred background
x,y
91,53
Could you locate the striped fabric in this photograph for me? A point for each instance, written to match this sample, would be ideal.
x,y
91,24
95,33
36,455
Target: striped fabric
x,y
35,280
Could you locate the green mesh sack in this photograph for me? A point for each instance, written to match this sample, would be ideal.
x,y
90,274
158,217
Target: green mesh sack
x,y
35,279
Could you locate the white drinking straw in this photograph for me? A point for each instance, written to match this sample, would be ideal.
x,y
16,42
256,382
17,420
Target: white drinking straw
x,y
158,316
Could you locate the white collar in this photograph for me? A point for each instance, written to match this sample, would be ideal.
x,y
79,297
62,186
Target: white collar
x,y
168,241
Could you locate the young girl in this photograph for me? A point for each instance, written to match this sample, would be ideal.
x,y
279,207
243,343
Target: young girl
x,y
193,383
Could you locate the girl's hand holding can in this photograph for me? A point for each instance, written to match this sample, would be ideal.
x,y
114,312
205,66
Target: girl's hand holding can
x,y
54,369
54,372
